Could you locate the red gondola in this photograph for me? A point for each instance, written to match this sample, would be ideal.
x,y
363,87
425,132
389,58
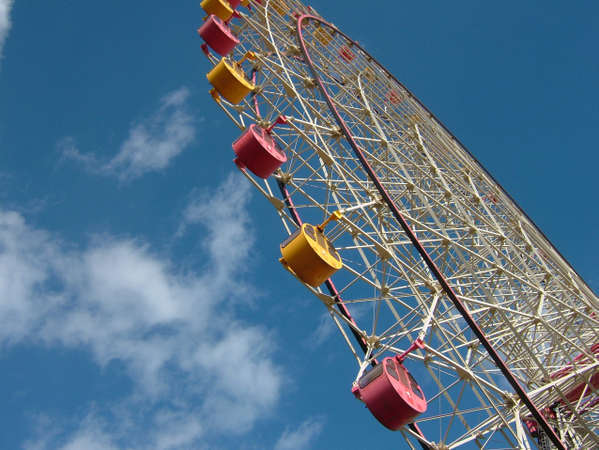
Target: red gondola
x,y
391,394
218,36
258,151
346,53
395,97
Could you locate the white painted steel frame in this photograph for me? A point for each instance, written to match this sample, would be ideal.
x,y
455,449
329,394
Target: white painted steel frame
x,y
532,306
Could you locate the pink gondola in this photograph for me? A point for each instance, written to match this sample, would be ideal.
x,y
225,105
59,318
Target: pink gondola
x,y
395,97
574,394
346,53
217,36
391,394
257,151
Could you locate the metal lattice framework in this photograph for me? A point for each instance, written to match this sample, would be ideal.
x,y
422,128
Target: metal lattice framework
x,y
433,248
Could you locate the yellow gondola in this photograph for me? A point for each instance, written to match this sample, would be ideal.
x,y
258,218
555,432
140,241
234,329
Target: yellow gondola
x,y
219,8
279,6
229,80
323,34
309,255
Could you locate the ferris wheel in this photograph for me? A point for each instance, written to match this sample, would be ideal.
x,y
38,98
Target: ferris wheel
x,y
468,328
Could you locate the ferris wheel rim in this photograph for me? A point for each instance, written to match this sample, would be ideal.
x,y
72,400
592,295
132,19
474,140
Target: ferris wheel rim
x,y
411,235
453,137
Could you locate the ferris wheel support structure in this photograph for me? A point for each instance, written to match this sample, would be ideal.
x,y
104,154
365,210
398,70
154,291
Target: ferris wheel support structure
x,y
460,286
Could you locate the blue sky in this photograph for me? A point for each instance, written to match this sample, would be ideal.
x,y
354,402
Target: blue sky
x,y
141,301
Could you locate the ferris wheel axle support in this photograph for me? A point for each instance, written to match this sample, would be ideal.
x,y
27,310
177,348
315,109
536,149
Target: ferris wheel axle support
x,y
416,243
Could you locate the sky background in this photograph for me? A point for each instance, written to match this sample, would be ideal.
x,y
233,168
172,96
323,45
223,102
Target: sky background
x,y
141,301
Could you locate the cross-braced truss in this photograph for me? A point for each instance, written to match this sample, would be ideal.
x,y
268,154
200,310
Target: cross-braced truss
x,y
534,310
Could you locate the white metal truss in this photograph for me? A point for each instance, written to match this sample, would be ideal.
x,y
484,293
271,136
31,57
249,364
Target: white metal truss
x,y
533,307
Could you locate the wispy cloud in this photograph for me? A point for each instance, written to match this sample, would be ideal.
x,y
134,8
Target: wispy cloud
x,y
119,300
90,436
324,330
152,143
301,437
5,24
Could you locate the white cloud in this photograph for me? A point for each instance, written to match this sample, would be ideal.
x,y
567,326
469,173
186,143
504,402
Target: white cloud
x,y
26,267
89,438
301,437
5,7
174,331
154,142
176,430
90,435
229,199
151,145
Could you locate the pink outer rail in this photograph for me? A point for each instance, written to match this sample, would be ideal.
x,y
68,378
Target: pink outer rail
x,y
415,242
492,197
329,283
